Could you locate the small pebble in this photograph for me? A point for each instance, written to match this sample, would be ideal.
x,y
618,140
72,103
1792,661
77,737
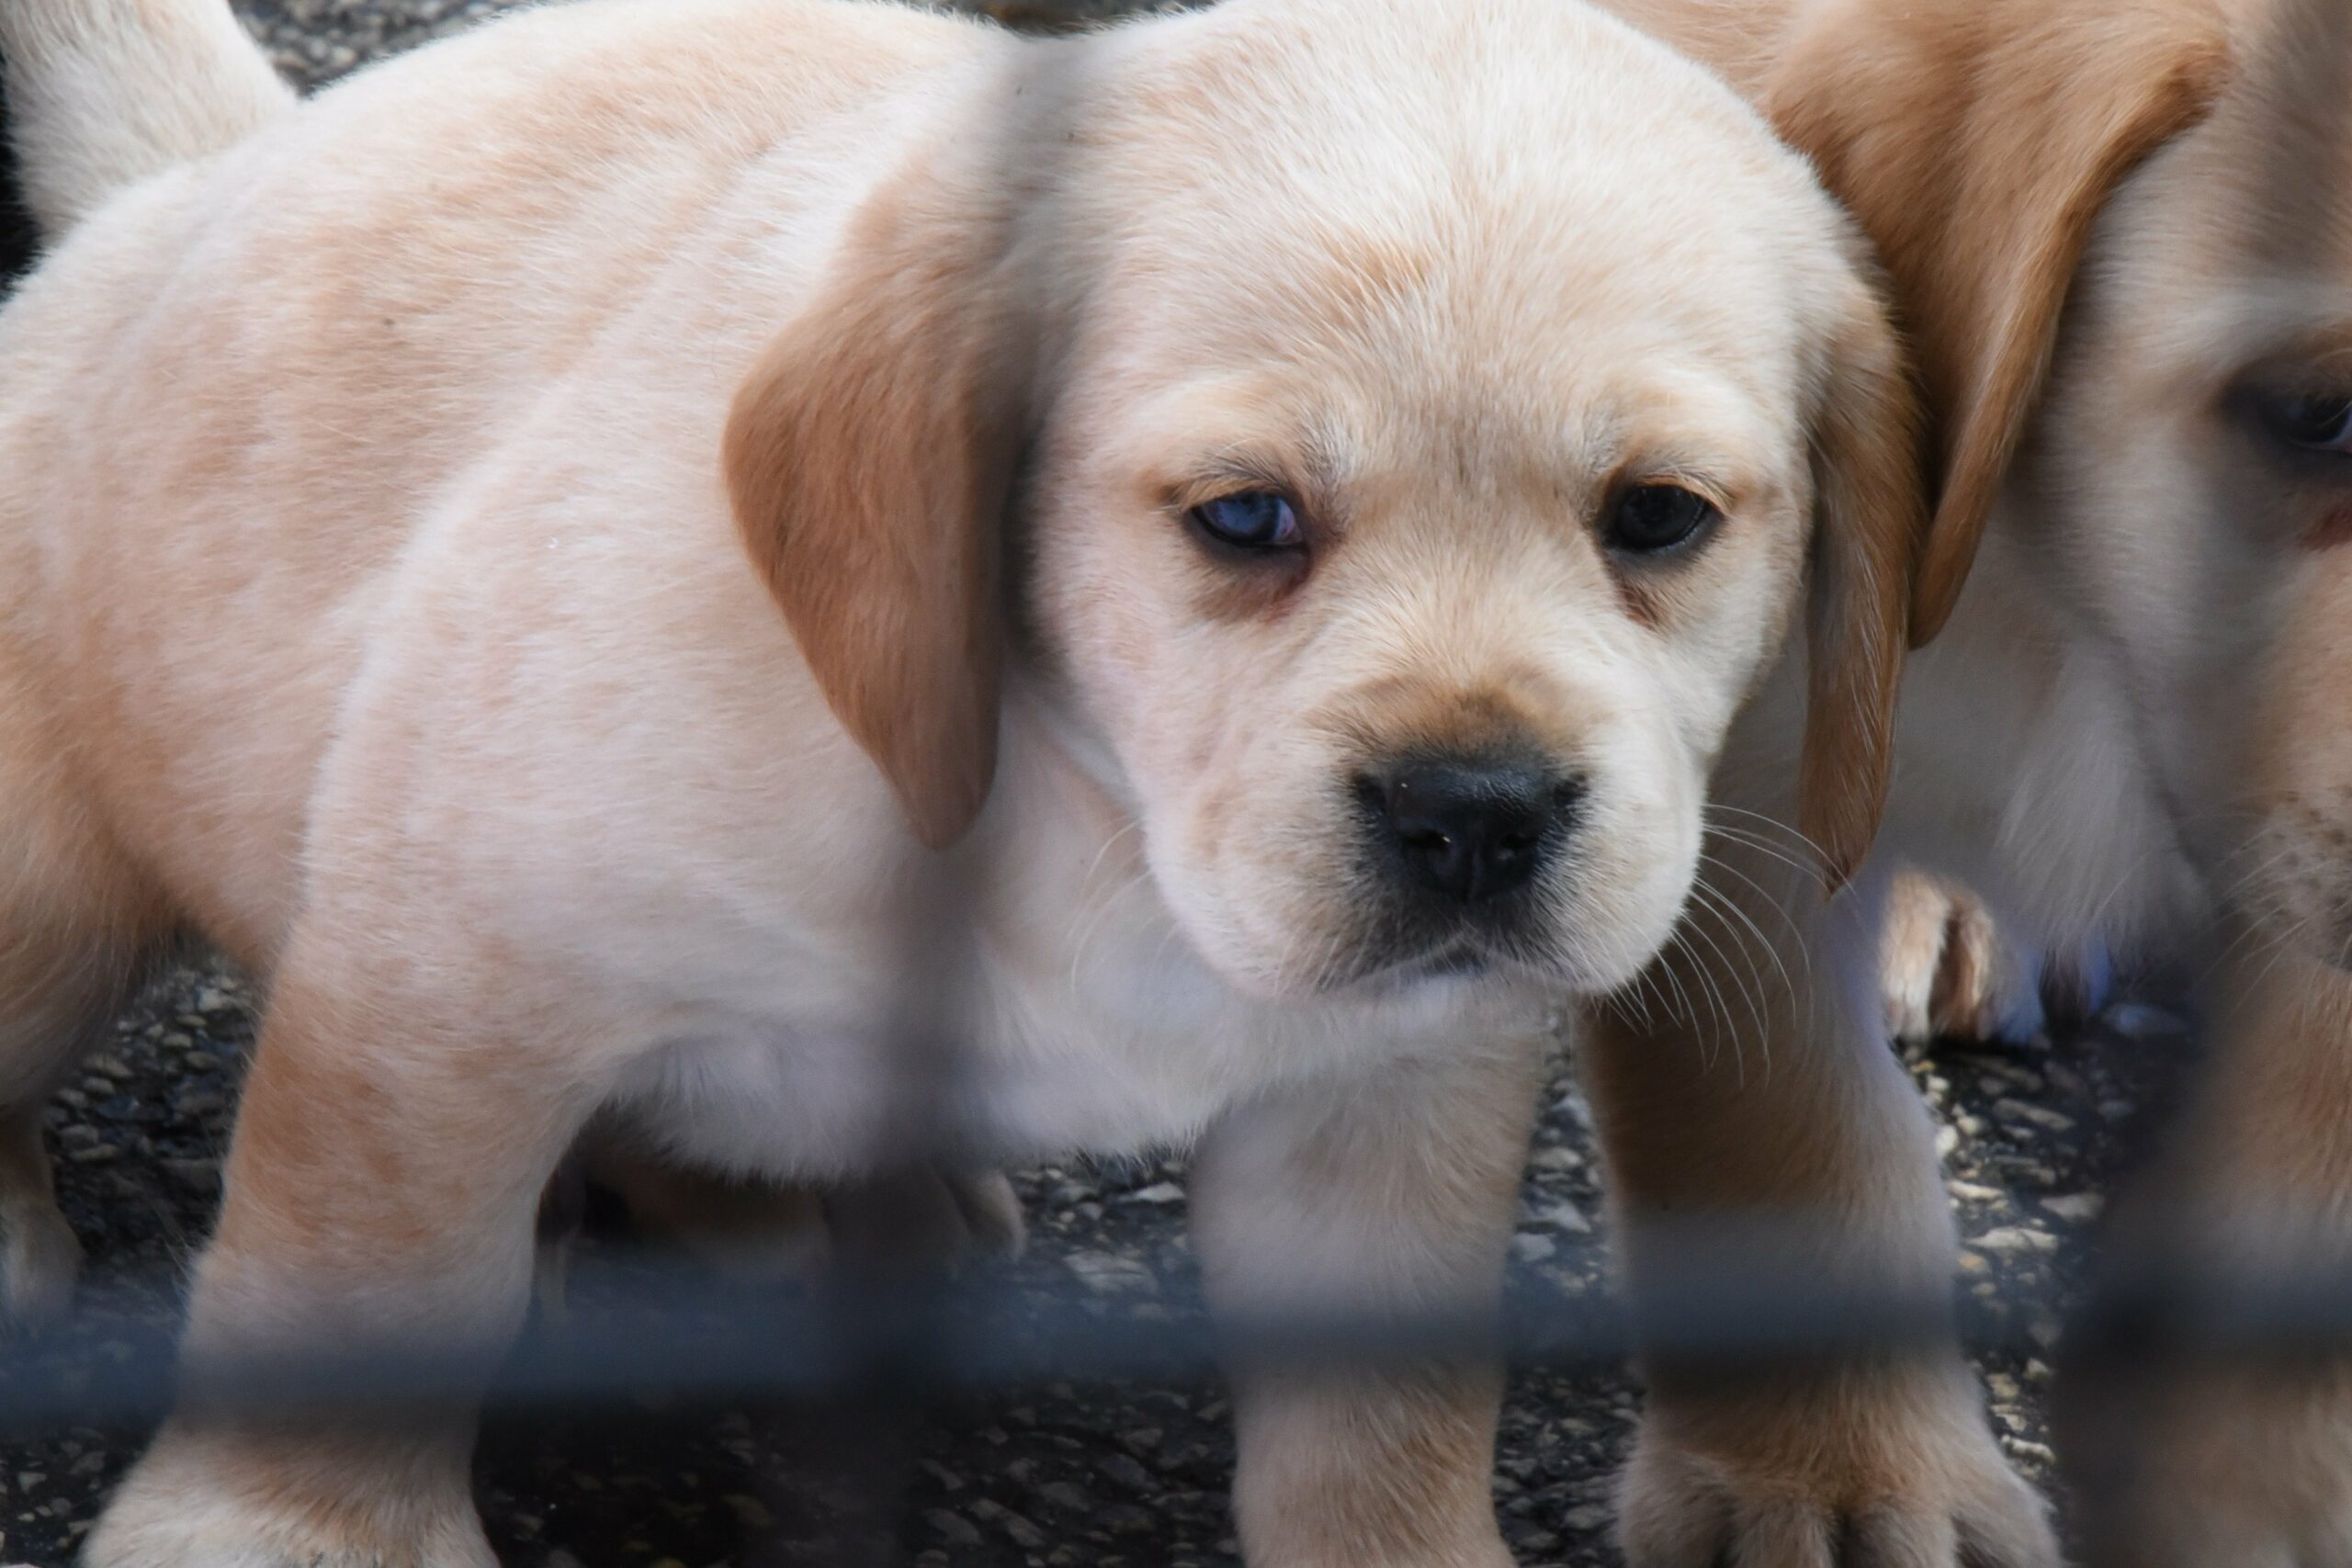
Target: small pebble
x,y
2015,1239
1110,1273
2079,1208
953,1528
2040,1115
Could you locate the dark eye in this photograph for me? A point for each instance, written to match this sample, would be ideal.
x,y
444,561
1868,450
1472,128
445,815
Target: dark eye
x,y
1251,520
1649,520
2317,423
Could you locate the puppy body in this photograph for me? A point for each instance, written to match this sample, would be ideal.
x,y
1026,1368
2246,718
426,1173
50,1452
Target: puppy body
x,y
713,753
530,552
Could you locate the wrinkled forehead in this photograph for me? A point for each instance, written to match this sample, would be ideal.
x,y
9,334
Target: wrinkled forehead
x,y
1481,200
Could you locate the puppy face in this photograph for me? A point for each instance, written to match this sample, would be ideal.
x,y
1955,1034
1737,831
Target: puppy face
x,y
1425,459
1412,604
2200,453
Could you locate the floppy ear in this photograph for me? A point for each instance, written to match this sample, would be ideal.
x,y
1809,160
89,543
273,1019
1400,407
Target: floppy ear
x,y
1871,514
1976,142
869,457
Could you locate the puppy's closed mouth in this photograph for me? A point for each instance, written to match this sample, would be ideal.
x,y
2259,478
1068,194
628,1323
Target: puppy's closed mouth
x,y
1463,956
1460,959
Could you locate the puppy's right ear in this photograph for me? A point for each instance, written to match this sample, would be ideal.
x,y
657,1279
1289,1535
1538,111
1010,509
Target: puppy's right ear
x,y
1976,142
869,457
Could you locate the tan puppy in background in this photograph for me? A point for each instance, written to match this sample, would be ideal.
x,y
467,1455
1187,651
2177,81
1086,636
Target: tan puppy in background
x,y
1254,526
2121,236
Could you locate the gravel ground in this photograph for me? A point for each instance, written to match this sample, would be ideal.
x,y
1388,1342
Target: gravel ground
x,y
1129,1474
1125,1474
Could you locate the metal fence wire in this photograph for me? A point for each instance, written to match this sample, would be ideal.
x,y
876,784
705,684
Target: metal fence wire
x,y
853,1355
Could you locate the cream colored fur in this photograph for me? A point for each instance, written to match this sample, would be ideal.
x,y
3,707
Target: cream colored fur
x,y
102,95
518,552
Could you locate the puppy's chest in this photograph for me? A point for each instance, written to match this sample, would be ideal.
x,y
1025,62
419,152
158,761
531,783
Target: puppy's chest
x,y
997,1066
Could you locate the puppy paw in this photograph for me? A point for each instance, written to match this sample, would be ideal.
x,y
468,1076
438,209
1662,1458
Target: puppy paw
x,y
1879,1469
200,1502
926,1219
39,1261
1948,972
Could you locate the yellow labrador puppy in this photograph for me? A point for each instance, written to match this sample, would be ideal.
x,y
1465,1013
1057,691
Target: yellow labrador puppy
x,y
2121,237
1230,547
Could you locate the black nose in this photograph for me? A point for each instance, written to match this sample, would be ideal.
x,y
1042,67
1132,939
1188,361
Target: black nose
x,y
1469,830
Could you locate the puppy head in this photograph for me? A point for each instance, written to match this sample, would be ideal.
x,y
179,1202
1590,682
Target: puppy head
x,y
1428,415
2128,225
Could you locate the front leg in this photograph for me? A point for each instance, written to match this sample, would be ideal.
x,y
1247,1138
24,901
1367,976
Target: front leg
x,y
1746,1093
2184,1455
1369,1199
391,1150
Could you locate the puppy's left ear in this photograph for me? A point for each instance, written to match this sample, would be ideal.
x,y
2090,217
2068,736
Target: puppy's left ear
x,y
870,455
1869,497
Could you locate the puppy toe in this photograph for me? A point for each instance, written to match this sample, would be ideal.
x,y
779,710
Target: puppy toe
x,y
1987,990
1786,1533
1918,913
1966,996
1900,1538
2004,1524
1670,1512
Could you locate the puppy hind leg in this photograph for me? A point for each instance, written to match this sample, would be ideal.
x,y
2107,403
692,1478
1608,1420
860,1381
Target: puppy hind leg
x,y
398,1129
74,929
38,1257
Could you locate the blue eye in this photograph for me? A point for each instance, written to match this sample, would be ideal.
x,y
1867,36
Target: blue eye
x,y
1251,520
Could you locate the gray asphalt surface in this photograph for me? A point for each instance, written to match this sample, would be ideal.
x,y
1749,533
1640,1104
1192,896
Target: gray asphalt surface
x,y
1124,1475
